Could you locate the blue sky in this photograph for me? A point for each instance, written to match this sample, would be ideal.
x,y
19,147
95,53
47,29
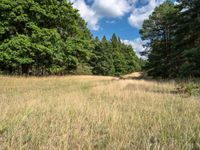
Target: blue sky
x,y
123,17
120,26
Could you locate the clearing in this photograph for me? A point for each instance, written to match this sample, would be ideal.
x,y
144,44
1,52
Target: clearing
x,y
91,112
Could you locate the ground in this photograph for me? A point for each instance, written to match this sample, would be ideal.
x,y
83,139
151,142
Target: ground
x,y
91,112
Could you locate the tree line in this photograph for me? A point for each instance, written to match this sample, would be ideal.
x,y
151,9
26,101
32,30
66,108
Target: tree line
x,y
48,37
113,57
172,35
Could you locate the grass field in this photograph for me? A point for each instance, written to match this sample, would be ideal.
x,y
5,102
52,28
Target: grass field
x,y
85,112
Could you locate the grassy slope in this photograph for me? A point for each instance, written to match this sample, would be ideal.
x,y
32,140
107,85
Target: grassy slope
x,y
83,112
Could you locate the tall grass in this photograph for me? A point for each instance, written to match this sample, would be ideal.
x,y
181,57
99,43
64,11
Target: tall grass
x,y
83,112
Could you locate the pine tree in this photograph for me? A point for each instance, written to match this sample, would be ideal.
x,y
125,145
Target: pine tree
x,y
188,38
132,61
118,57
102,60
158,30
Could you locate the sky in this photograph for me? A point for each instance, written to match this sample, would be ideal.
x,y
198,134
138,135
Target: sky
x,y
122,17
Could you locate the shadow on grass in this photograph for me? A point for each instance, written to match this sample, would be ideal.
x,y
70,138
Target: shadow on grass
x,y
150,90
183,87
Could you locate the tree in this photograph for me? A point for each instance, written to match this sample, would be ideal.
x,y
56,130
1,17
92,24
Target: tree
x,y
49,37
159,30
174,38
102,60
113,57
132,61
188,38
118,57
42,37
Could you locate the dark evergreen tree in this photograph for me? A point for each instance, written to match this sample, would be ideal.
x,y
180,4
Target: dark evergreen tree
x,y
113,57
188,38
118,57
173,33
159,31
102,60
132,61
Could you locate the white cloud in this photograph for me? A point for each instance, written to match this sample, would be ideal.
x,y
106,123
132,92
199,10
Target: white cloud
x,y
138,15
88,14
137,45
111,8
99,9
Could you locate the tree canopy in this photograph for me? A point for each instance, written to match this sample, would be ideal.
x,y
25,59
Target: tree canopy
x,y
113,57
49,37
173,40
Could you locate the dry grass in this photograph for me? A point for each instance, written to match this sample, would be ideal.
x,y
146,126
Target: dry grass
x,y
84,112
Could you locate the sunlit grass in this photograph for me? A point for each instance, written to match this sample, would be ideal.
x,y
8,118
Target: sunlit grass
x,y
85,112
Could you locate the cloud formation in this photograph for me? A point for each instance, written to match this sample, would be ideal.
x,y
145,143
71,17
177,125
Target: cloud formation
x,y
138,15
92,11
100,9
137,45
139,10
111,8
87,13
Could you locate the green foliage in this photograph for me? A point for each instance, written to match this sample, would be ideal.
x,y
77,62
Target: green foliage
x,y
113,57
50,38
118,57
189,33
42,37
16,52
83,69
158,30
133,63
173,46
102,61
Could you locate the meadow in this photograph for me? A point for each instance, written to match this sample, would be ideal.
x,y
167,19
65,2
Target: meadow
x,y
91,112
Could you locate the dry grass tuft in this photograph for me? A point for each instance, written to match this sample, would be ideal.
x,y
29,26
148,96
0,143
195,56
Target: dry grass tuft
x,y
88,112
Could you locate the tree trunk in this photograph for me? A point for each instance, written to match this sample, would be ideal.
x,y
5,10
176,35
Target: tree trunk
x,y
25,69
